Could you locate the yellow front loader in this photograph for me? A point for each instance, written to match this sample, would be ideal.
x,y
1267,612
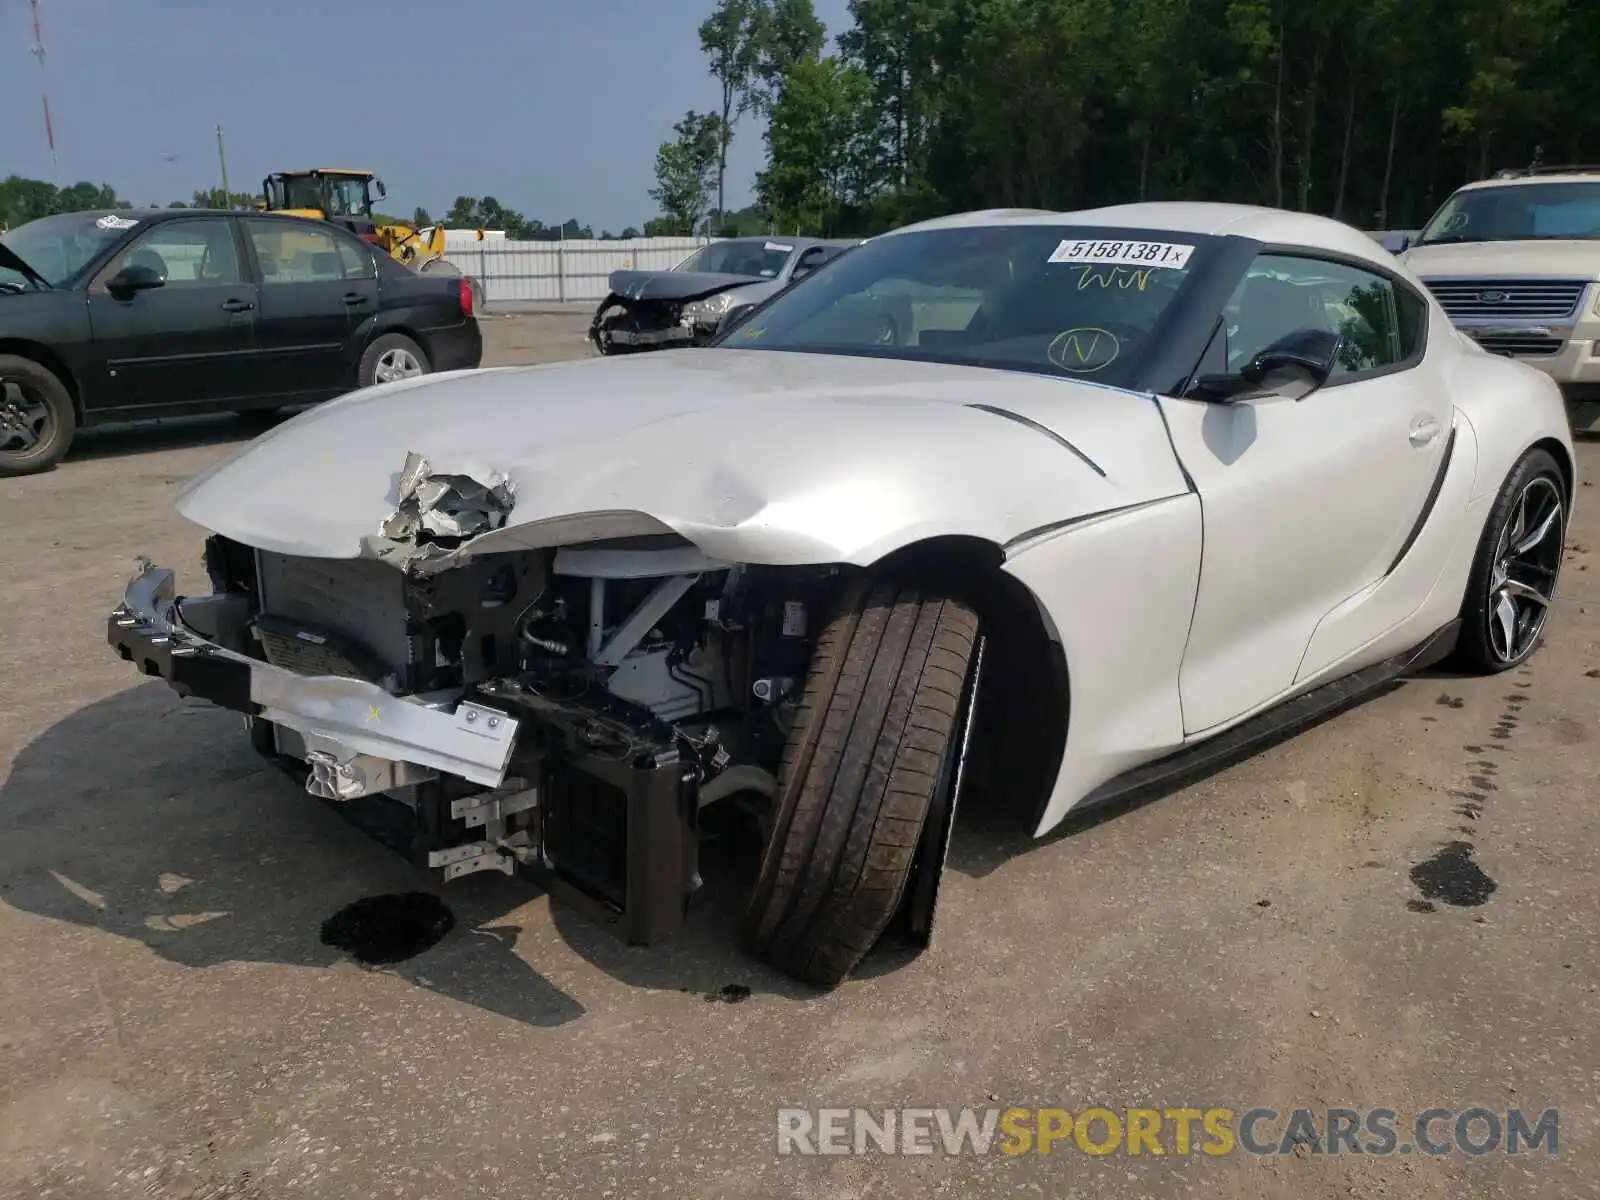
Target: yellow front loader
x,y
346,197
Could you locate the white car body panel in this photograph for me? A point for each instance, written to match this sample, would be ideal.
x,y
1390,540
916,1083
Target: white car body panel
x,y
1118,593
754,457
1397,596
1291,534
1181,610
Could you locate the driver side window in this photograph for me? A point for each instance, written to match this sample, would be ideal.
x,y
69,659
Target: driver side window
x,y
186,254
1381,323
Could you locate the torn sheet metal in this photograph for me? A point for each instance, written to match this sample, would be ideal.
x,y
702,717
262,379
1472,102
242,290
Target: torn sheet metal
x,y
438,511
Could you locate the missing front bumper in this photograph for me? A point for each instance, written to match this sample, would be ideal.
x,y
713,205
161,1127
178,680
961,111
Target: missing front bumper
x,y
615,837
343,718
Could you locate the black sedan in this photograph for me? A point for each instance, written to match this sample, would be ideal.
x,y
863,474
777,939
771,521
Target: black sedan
x,y
118,316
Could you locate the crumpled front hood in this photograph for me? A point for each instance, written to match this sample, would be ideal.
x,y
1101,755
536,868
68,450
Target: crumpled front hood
x,y
674,285
1502,260
755,456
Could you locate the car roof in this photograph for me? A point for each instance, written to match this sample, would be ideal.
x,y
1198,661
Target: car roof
x,y
148,215
1576,175
799,243
1273,226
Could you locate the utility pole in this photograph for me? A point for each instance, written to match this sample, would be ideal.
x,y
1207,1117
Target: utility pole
x,y
37,51
227,196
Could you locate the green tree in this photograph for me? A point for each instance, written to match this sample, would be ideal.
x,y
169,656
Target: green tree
x,y
895,43
685,169
1372,111
23,200
216,198
788,33
421,218
814,141
730,38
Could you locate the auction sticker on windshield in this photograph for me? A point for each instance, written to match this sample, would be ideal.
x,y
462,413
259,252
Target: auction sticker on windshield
x,y
1131,254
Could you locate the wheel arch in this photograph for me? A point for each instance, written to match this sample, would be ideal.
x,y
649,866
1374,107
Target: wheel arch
x,y
1558,450
51,361
1023,708
405,329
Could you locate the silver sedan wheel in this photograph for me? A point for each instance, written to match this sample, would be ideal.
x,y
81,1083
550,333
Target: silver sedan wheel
x,y
398,363
1527,561
24,418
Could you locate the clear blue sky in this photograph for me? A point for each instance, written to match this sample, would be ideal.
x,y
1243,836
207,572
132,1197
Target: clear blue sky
x,y
553,107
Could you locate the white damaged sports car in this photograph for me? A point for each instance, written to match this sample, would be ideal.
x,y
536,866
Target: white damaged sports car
x,y
1128,489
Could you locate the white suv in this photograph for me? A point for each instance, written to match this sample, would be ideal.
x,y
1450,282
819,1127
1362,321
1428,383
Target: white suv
x,y
1515,261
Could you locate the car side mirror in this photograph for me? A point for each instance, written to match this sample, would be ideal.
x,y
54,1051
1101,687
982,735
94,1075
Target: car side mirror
x,y
133,279
379,191
734,317
1314,352
801,270
1309,354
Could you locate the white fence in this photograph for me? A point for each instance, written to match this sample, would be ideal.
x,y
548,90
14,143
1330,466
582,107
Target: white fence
x,y
515,273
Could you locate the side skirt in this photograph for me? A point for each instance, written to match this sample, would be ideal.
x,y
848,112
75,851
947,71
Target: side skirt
x,y
1277,722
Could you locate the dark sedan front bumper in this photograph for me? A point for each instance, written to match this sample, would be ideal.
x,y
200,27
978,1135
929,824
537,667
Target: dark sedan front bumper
x,y
348,721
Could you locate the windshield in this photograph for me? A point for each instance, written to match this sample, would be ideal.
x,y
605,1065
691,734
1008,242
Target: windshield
x,y
60,247
759,258
347,197
346,194
1516,213
1059,300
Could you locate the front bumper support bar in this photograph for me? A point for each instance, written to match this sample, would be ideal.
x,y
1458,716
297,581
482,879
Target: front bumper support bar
x,y
468,739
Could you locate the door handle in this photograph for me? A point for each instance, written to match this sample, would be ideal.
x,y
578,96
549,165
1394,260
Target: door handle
x,y
353,299
1423,430
237,306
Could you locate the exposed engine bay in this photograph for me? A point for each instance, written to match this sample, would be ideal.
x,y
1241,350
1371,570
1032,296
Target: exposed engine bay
x,y
647,682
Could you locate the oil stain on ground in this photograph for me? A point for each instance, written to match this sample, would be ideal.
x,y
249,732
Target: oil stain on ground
x,y
1453,877
388,929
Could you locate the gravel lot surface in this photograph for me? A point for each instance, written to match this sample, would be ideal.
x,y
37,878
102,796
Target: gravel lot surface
x,y
171,1024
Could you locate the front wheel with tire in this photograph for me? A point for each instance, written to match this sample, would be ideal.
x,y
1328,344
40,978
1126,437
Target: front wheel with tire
x,y
37,420
390,357
866,753
1514,573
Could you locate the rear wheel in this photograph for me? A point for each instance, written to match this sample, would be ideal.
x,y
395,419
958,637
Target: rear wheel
x,y
860,773
390,357
1513,579
37,420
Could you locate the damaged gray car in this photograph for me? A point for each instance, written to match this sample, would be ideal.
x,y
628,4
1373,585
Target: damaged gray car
x,y
653,310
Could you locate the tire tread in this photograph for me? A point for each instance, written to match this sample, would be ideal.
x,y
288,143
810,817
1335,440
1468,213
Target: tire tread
x,y
857,777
